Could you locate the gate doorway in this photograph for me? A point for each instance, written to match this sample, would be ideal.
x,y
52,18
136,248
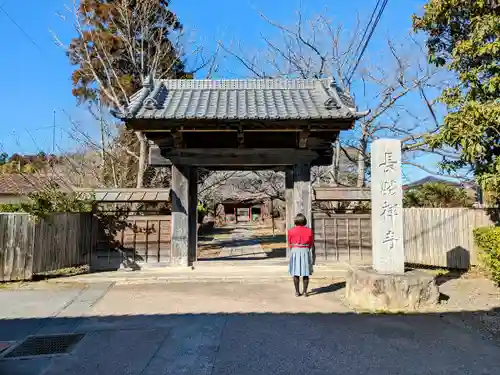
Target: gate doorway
x,y
248,241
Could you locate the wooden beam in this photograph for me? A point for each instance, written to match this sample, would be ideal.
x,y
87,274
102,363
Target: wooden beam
x,y
240,156
327,193
178,139
245,139
162,125
156,159
303,138
241,138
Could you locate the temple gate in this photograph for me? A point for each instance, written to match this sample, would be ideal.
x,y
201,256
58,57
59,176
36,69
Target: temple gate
x,y
281,124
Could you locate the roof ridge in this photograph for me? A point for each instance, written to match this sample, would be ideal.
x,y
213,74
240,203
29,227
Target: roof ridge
x,y
242,84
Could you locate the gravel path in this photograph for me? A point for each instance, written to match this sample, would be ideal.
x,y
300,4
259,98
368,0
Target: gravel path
x,y
477,295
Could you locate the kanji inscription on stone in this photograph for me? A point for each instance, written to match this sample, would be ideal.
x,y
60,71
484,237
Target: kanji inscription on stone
x,y
387,203
390,239
389,210
388,187
389,163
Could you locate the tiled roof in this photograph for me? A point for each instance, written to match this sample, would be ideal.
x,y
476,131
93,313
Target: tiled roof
x,y
259,99
125,195
23,184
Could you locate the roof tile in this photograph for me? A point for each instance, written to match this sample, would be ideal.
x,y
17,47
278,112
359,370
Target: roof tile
x,y
242,99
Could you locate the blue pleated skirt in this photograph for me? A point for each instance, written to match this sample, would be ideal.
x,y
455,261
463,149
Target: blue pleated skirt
x,y
301,262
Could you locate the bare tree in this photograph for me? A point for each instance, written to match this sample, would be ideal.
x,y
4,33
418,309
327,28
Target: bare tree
x,y
314,48
140,29
268,183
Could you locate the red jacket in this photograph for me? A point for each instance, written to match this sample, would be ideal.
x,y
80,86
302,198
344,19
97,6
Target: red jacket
x,y
300,236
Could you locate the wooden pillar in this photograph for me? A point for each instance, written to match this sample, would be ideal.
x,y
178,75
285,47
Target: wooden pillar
x,y
289,215
302,191
193,215
184,203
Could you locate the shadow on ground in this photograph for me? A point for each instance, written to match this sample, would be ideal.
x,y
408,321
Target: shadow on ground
x,y
252,240
258,344
328,289
278,253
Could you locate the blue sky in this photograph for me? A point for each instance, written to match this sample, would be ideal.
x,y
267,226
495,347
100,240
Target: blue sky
x,y
35,73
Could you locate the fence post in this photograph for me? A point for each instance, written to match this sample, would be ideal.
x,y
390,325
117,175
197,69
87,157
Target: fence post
x,y
94,234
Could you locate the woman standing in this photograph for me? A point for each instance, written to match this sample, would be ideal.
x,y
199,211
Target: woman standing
x,y
300,241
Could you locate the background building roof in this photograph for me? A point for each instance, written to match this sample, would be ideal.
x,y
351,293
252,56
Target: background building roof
x,y
23,184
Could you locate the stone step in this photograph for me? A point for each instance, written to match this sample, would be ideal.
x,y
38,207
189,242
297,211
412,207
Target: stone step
x,y
183,274
215,263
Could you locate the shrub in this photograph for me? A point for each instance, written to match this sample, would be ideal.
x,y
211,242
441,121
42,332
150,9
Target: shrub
x,y
11,207
48,201
488,239
202,212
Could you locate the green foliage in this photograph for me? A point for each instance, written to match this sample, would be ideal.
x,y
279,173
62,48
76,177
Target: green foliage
x,y
53,200
464,36
201,208
202,211
436,194
50,200
488,239
11,207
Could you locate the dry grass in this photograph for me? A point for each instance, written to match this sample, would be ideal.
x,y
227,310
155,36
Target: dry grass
x,y
11,285
62,272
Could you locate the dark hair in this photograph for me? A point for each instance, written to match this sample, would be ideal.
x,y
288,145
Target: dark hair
x,y
300,220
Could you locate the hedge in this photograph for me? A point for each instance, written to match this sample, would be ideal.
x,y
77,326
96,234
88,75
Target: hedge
x,y
488,239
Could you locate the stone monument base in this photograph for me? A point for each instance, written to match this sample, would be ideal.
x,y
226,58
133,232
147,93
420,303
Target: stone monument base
x,y
367,289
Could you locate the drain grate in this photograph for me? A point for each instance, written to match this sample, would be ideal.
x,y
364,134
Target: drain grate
x,y
45,345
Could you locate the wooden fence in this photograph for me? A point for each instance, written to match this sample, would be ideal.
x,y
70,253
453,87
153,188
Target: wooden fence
x,y
442,237
342,238
144,239
29,246
439,237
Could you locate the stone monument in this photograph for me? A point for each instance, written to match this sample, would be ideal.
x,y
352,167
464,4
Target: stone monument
x,y
387,204
386,285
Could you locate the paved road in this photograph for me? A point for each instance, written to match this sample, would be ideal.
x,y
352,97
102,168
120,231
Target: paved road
x,y
221,329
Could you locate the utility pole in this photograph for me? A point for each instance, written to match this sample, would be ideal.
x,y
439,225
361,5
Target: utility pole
x,y
54,133
103,142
